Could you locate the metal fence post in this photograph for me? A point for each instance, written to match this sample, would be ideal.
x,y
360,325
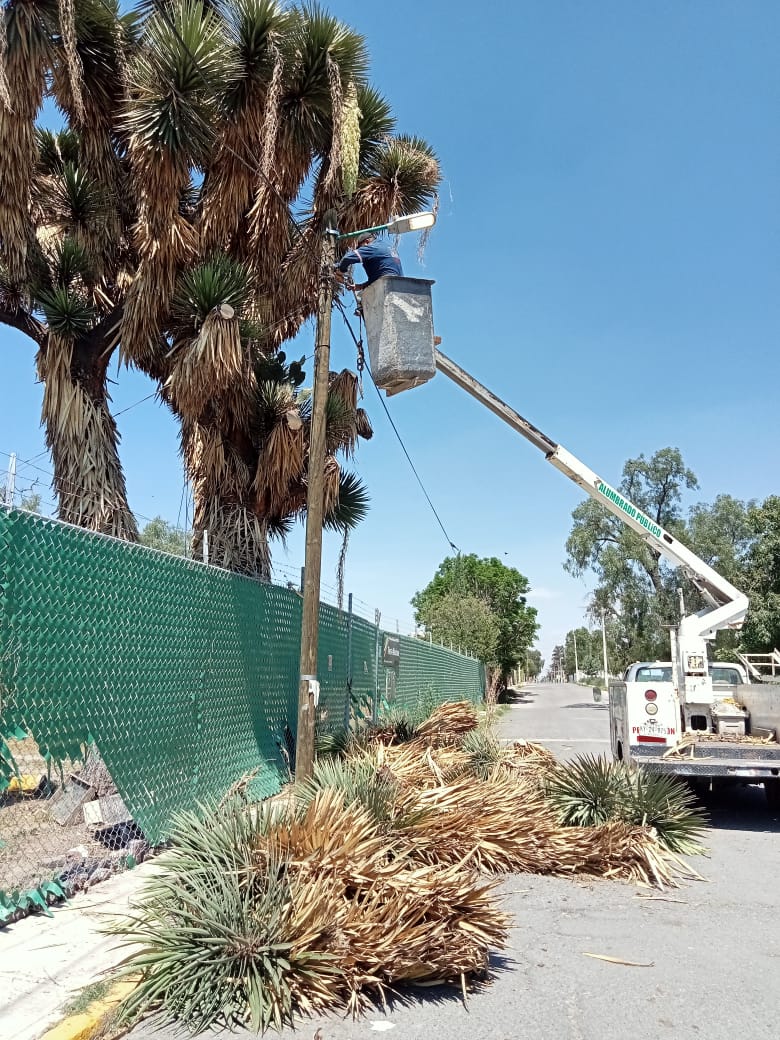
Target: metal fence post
x,y
377,619
348,698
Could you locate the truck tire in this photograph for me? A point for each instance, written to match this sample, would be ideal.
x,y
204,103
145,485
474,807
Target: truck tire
x,y
772,792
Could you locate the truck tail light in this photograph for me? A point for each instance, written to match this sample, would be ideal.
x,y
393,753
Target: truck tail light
x,y
650,695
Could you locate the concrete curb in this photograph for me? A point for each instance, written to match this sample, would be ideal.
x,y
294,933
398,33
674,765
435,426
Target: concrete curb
x,y
83,1025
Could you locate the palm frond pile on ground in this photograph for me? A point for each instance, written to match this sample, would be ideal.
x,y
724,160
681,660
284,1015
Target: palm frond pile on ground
x,y
262,914
380,870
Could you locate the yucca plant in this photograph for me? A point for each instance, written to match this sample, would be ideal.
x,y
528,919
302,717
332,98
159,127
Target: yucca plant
x,y
592,790
664,803
357,780
588,790
484,752
213,926
203,145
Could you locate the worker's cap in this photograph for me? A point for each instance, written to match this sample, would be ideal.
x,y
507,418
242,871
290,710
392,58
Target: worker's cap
x,y
362,239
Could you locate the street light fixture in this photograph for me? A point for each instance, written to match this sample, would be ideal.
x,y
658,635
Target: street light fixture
x,y
397,226
309,687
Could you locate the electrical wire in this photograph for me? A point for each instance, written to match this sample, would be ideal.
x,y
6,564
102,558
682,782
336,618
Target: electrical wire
x,y
359,345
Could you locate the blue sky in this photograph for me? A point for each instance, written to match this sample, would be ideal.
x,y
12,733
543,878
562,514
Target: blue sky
x,y
606,260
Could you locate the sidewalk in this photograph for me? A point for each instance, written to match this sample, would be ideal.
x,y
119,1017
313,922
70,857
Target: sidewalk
x,y
46,961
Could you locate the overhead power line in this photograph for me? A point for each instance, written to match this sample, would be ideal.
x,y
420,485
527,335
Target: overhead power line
x,y
359,344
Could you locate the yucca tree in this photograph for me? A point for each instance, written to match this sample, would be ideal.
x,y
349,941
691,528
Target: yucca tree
x,y
178,217
64,261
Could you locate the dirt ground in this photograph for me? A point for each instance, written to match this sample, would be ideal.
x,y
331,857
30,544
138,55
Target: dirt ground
x,y
34,847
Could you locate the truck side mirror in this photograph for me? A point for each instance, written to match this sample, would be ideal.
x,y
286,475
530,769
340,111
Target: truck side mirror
x,y
597,694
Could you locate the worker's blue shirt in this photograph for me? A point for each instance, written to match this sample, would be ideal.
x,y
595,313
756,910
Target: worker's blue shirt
x,y
376,258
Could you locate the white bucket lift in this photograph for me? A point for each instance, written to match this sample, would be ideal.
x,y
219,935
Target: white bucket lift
x,y
399,329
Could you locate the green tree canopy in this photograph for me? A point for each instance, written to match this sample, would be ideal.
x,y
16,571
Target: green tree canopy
x,y
159,534
761,633
493,591
638,589
534,663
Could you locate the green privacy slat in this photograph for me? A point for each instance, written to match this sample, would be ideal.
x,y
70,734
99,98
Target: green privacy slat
x,y
185,676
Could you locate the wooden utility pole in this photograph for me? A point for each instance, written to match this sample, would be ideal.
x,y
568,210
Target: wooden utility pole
x,y
308,690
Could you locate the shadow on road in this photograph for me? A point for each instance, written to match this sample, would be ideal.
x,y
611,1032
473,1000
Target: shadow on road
x,y
517,697
740,809
589,704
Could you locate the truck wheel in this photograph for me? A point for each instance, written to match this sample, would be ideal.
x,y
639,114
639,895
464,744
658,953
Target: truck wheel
x,y
772,792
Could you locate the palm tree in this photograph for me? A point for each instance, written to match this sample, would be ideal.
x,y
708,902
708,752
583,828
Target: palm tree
x,y
177,218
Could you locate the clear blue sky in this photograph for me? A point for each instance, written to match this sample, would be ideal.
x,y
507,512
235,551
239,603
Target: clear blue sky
x,y
606,260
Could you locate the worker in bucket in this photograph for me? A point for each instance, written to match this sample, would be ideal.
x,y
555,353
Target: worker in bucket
x,y
377,258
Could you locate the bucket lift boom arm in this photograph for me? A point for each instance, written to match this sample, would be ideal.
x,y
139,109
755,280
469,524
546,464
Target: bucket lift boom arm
x,y
727,606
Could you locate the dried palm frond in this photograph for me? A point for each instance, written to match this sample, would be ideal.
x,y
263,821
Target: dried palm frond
x,y
82,436
414,764
448,722
531,762
238,538
258,915
211,365
252,103
67,12
279,465
500,825
363,426
24,64
170,126
5,97
213,462
332,484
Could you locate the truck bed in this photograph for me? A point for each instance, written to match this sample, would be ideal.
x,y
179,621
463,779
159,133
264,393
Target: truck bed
x,y
751,758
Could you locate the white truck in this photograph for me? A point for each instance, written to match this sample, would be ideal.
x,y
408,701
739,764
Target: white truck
x,y
686,716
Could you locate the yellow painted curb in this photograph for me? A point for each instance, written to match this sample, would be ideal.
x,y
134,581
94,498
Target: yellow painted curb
x,y
84,1024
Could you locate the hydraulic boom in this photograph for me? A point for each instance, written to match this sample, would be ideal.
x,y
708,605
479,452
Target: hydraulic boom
x,y
727,606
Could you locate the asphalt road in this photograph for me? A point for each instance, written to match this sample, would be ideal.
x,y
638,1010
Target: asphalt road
x,y
712,948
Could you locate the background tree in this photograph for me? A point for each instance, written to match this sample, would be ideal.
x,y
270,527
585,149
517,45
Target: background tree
x,y
29,500
177,217
534,663
639,591
557,663
502,590
159,534
636,586
465,622
761,633
588,655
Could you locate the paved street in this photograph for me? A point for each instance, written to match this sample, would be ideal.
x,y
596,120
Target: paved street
x,y
713,948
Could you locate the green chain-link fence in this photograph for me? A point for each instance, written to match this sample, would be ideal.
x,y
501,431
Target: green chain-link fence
x,y
183,676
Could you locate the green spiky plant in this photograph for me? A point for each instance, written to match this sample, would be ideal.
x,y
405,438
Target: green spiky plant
x,y
587,791
357,779
213,930
592,790
669,806
484,752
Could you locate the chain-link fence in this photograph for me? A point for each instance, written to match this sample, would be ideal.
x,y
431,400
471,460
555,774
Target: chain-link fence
x,y
134,684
